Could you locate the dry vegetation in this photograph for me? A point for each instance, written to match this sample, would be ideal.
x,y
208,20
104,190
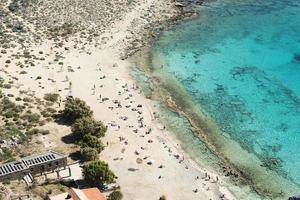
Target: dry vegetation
x,y
21,119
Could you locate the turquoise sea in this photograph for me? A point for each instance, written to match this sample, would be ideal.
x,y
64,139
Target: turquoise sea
x,y
240,63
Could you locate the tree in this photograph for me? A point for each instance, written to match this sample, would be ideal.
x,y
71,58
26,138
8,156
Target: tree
x,y
87,125
89,153
92,142
75,109
115,195
98,173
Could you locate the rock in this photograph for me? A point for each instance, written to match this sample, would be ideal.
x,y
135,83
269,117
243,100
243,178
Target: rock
x,y
297,56
179,4
294,198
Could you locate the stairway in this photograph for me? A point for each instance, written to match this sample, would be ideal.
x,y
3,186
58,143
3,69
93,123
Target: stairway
x,y
28,179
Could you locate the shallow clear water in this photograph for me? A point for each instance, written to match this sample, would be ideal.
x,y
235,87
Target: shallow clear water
x,y
239,63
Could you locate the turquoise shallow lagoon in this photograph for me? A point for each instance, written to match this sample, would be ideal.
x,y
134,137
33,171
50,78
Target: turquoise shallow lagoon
x,y
240,62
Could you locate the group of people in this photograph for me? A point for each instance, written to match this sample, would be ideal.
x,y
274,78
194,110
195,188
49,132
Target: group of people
x,y
124,100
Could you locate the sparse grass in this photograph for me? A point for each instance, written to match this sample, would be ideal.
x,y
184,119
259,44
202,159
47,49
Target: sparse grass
x,y
61,187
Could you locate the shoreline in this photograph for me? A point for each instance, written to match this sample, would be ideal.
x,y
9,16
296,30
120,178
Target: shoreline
x,y
202,125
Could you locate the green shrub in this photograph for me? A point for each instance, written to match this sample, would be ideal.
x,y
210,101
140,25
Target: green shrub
x,y
10,114
44,113
23,72
115,195
13,130
48,112
33,131
6,181
27,99
7,86
6,154
1,82
32,117
53,97
8,106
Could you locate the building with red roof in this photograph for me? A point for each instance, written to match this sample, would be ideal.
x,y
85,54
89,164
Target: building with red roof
x,y
80,194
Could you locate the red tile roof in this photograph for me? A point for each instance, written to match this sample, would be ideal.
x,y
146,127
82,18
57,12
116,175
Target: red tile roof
x,y
93,194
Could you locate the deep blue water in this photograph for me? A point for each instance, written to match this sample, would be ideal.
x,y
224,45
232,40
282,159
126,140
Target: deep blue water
x,y
239,62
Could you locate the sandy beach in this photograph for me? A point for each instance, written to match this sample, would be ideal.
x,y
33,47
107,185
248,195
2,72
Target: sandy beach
x,y
146,157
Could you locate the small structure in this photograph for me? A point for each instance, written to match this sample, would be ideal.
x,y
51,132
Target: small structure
x,y
28,167
80,194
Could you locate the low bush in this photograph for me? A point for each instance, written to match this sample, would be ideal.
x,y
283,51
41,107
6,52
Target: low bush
x,y
32,117
53,97
115,195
